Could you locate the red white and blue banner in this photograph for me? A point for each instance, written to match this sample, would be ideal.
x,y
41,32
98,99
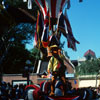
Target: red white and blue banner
x,y
54,6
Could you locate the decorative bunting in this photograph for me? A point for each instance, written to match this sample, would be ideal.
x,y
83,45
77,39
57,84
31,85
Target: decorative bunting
x,y
39,30
70,38
65,27
53,6
59,22
45,34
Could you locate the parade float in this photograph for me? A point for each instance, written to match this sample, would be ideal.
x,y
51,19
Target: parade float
x,y
52,22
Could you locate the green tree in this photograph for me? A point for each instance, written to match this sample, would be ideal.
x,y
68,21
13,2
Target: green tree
x,y
13,49
89,67
35,52
14,35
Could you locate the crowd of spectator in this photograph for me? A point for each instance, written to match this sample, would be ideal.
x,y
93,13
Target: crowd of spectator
x,y
9,92
17,92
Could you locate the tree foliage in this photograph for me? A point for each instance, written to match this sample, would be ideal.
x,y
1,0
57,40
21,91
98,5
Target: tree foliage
x,y
35,52
89,67
13,48
14,36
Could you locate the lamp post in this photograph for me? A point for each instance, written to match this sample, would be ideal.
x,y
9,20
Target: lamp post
x,y
1,72
27,71
97,77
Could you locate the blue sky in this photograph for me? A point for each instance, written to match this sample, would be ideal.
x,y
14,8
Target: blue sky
x,y
85,21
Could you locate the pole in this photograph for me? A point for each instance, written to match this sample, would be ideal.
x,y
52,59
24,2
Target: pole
x,y
28,78
97,77
0,76
1,73
96,80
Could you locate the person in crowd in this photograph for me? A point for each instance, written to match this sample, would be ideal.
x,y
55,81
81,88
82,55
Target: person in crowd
x,y
98,90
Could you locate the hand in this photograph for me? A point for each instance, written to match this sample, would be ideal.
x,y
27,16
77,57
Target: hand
x,y
43,76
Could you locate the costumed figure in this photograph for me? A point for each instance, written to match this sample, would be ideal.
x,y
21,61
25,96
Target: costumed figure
x,y
56,67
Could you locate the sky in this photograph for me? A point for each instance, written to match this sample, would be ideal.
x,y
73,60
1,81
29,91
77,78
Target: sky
x,y
85,22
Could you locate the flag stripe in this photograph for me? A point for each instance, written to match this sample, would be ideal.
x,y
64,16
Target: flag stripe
x,y
39,3
44,6
45,34
53,8
65,27
35,36
62,3
37,22
58,7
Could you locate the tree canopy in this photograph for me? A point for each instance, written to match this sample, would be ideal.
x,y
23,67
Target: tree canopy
x,y
13,51
17,27
89,67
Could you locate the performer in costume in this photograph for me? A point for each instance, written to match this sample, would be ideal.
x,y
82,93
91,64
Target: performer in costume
x,y
56,67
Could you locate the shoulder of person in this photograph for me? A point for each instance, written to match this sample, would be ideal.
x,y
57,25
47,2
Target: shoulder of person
x,y
52,57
